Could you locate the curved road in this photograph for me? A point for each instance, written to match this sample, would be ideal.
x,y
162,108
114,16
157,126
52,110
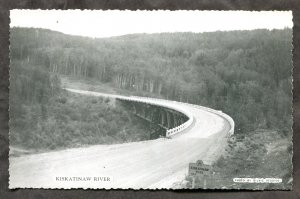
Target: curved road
x,y
159,163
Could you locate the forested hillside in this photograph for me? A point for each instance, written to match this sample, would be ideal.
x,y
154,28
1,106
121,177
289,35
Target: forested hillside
x,y
45,117
246,74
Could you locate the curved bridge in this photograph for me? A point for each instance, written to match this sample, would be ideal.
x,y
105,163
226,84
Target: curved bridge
x,y
153,164
180,107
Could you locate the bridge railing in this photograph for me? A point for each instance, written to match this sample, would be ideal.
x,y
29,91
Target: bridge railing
x,y
169,132
179,128
182,127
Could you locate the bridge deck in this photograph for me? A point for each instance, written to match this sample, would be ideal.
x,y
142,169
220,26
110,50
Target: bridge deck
x,y
148,164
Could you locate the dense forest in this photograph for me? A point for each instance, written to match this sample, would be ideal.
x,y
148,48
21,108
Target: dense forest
x,y
246,74
43,116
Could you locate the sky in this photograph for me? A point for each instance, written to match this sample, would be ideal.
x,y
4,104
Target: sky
x,y
109,23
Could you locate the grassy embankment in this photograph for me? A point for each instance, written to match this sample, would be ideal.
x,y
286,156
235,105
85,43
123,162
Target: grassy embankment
x,y
259,154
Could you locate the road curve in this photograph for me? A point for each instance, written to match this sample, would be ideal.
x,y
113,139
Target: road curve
x,y
152,164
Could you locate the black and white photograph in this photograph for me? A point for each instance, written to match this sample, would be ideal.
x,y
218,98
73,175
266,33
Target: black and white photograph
x,y
120,99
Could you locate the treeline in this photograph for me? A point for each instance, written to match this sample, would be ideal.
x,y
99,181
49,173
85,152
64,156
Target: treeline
x,y
246,74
